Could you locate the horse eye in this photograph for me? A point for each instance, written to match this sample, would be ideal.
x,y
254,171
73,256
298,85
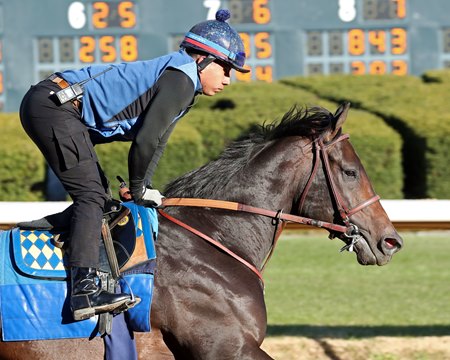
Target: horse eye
x,y
351,173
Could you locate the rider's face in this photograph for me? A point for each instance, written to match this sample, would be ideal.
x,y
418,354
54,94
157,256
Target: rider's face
x,y
215,77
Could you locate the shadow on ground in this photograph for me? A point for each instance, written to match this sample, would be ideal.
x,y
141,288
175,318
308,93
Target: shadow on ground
x,y
355,331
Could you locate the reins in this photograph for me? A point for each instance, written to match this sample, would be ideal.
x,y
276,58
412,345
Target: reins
x,y
235,206
349,230
211,241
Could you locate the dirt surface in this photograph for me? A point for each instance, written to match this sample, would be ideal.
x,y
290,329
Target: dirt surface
x,y
377,348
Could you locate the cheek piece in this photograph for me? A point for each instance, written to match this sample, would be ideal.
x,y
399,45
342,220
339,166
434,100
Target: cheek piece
x,y
205,62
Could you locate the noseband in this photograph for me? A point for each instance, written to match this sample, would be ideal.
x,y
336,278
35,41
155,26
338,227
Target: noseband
x,y
349,230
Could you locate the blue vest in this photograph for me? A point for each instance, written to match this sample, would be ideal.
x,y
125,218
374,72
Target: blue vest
x,y
112,92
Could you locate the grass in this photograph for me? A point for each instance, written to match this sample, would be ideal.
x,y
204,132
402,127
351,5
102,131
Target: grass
x,y
312,290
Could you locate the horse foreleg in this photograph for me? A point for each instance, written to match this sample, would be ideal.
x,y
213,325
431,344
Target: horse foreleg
x,y
247,351
151,346
219,350
252,352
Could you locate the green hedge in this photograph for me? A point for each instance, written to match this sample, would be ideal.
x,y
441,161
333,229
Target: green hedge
x,y
419,111
183,153
437,76
205,131
21,164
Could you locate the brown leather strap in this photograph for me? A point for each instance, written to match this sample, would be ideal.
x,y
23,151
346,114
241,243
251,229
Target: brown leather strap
x,y
109,247
311,177
219,204
278,230
364,204
336,195
344,210
212,241
119,218
228,205
60,82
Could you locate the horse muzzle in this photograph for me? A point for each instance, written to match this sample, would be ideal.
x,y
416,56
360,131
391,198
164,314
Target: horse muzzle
x,y
382,249
369,252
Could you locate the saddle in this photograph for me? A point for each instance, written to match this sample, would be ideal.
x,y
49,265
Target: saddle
x,y
33,265
46,237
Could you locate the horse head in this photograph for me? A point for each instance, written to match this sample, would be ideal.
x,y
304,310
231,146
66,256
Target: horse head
x,y
339,191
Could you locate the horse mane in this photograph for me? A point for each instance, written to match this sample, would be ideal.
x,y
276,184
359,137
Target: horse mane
x,y
209,180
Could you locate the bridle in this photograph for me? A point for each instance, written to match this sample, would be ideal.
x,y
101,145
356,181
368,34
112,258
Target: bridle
x,y
348,230
320,149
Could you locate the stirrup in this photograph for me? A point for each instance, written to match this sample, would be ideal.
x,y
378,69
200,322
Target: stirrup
x,y
128,305
88,312
105,320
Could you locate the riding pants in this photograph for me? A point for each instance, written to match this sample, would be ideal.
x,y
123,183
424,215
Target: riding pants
x,y
64,141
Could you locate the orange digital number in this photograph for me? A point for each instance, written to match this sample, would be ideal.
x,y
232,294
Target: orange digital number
x,y
107,48
356,42
264,73
127,14
378,40
261,13
358,68
128,48
398,41
401,8
263,46
377,67
1,82
247,44
244,77
100,15
87,48
399,67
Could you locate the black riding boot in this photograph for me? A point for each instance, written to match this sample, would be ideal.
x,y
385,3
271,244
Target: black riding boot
x,y
88,299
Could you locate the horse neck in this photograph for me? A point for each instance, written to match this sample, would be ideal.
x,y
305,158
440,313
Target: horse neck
x,y
271,180
275,175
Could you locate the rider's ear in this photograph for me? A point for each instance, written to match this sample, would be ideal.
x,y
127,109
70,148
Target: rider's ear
x,y
339,118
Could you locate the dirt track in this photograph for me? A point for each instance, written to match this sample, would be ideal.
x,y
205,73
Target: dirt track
x,y
377,348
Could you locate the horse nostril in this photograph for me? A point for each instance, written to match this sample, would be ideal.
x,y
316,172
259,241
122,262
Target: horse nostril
x,y
392,243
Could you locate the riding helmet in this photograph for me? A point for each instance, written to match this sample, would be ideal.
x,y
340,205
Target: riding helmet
x,y
218,39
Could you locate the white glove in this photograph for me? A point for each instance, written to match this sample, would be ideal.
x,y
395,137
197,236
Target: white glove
x,y
150,197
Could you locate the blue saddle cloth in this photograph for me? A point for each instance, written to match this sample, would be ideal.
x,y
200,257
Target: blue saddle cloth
x,y
33,284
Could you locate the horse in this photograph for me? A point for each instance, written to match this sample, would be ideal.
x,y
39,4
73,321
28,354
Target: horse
x,y
208,300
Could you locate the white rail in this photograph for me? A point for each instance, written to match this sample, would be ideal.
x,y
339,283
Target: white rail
x,y
397,210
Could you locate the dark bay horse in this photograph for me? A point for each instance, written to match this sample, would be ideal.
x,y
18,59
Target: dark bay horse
x,y
208,305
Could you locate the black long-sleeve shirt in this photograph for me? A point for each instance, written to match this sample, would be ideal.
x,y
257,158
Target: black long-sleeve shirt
x,y
172,93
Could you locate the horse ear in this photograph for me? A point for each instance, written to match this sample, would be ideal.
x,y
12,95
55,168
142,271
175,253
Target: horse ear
x,y
339,118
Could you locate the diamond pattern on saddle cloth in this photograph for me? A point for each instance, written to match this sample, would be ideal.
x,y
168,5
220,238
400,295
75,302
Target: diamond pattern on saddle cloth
x,y
35,252
139,230
39,252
